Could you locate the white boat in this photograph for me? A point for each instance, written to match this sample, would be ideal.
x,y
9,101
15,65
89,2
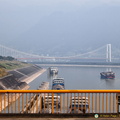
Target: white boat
x,y
58,84
53,70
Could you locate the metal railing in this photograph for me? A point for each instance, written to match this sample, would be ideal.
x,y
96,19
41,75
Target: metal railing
x,y
59,101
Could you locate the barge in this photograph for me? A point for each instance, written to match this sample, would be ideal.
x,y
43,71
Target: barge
x,y
107,75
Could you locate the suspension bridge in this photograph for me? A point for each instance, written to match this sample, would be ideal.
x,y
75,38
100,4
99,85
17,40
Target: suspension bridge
x,y
106,53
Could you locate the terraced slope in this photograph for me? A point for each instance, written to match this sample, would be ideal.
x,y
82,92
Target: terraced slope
x,y
14,72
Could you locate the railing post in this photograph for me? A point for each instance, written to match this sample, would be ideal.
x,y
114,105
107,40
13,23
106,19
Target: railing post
x,y
8,102
26,107
41,103
117,102
103,103
4,103
22,102
99,102
67,103
106,102
52,103
15,103
92,103
1,103
89,102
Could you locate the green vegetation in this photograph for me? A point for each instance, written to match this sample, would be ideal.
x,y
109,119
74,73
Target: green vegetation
x,y
9,65
3,72
7,58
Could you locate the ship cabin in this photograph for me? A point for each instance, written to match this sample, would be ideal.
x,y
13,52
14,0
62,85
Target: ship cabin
x,y
53,70
58,84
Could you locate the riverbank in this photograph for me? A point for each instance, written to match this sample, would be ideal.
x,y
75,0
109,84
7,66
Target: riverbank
x,y
22,85
19,79
32,77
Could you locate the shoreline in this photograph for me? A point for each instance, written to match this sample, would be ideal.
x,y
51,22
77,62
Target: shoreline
x,y
31,78
72,65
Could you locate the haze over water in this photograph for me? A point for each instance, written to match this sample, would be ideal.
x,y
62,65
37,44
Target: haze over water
x,y
77,77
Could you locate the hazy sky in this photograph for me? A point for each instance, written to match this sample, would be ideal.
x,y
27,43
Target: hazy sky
x,y
59,26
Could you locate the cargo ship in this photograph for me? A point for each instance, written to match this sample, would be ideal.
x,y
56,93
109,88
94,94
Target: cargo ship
x,y
107,75
53,70
58,84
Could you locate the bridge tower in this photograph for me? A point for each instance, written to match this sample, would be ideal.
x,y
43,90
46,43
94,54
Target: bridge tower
x,y
108,53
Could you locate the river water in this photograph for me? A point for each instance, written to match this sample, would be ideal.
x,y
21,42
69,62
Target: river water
x,y
81,77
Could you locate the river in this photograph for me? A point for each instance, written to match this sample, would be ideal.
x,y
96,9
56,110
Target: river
x,y
81,77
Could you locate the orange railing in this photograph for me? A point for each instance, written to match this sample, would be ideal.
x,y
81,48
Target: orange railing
x,y
59,101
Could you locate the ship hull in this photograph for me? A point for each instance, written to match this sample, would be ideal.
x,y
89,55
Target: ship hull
x,y
107,77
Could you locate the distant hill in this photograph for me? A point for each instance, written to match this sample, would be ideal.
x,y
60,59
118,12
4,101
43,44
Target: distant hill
x,y
69,33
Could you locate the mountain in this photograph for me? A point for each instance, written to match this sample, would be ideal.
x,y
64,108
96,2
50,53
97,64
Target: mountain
x,y
68,33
